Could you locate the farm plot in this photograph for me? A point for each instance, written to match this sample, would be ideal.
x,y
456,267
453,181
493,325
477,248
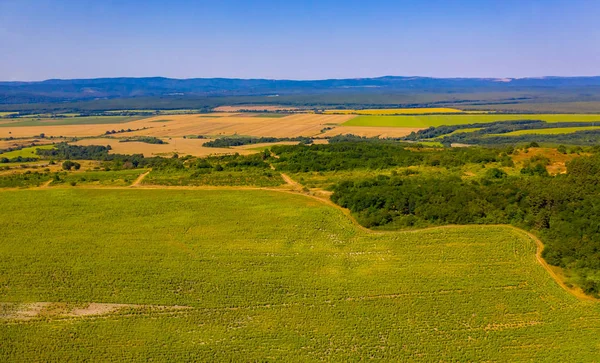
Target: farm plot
x,y
175,145
85,120
301,283
289,126
559,130
395,111
425,121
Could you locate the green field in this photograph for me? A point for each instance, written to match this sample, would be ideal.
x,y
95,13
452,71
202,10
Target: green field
x,y
559,130
104,178
272,276
28,152
84,120
439,120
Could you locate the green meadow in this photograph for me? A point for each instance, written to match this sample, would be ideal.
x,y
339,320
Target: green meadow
x,y
271,276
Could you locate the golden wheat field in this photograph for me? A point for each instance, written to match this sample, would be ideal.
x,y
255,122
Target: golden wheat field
x,y
371,131
176,145
210,125
289,126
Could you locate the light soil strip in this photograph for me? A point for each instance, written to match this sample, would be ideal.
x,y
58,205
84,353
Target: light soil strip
x,y
54,310
139,179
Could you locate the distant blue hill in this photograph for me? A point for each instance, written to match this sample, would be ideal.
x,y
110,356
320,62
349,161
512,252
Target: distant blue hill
x,y
103,88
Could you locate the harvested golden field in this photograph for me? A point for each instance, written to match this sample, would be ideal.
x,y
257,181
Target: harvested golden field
x,y
179,146
5,144
67,130
394,111
254,108
289,126
371,131
192,124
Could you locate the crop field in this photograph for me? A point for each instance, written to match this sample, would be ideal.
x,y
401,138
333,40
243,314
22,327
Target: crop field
x,y
439,120
394,111
370,131
85,120
174,145
559,130
289,126
214,275
254,108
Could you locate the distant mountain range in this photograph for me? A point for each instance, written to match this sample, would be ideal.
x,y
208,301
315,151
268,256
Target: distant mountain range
x,y
109,88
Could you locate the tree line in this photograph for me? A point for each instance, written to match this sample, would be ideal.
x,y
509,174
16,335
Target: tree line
x,y
563,209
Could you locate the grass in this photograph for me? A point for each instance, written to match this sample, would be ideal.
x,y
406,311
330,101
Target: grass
x,y
439,120
431,143
394,111
200,177
559,130
273,276
4,114
85,120
98,178
28,152
462,131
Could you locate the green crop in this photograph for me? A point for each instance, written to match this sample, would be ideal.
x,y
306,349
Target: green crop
x,y
272,276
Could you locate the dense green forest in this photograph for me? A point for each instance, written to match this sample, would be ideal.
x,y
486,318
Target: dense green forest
x,y
373,154
247,140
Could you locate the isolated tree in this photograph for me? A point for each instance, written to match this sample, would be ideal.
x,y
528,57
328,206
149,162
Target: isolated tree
x,y
68,165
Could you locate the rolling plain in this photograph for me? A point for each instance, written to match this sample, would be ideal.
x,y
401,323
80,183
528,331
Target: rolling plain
x,y
188,277
238,253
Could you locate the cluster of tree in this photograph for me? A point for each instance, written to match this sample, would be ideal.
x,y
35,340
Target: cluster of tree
x,y
372,154
562,209
232,162
68,165
111,132
239,141
64,151
145,139
18,159
583,138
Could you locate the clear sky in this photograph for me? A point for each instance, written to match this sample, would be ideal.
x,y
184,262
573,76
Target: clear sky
x,y
41,39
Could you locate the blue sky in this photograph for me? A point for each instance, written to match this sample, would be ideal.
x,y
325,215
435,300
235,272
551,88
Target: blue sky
x,y
41,39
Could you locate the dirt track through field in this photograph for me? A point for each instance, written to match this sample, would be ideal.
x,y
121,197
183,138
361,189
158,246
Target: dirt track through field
x,y
139,179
